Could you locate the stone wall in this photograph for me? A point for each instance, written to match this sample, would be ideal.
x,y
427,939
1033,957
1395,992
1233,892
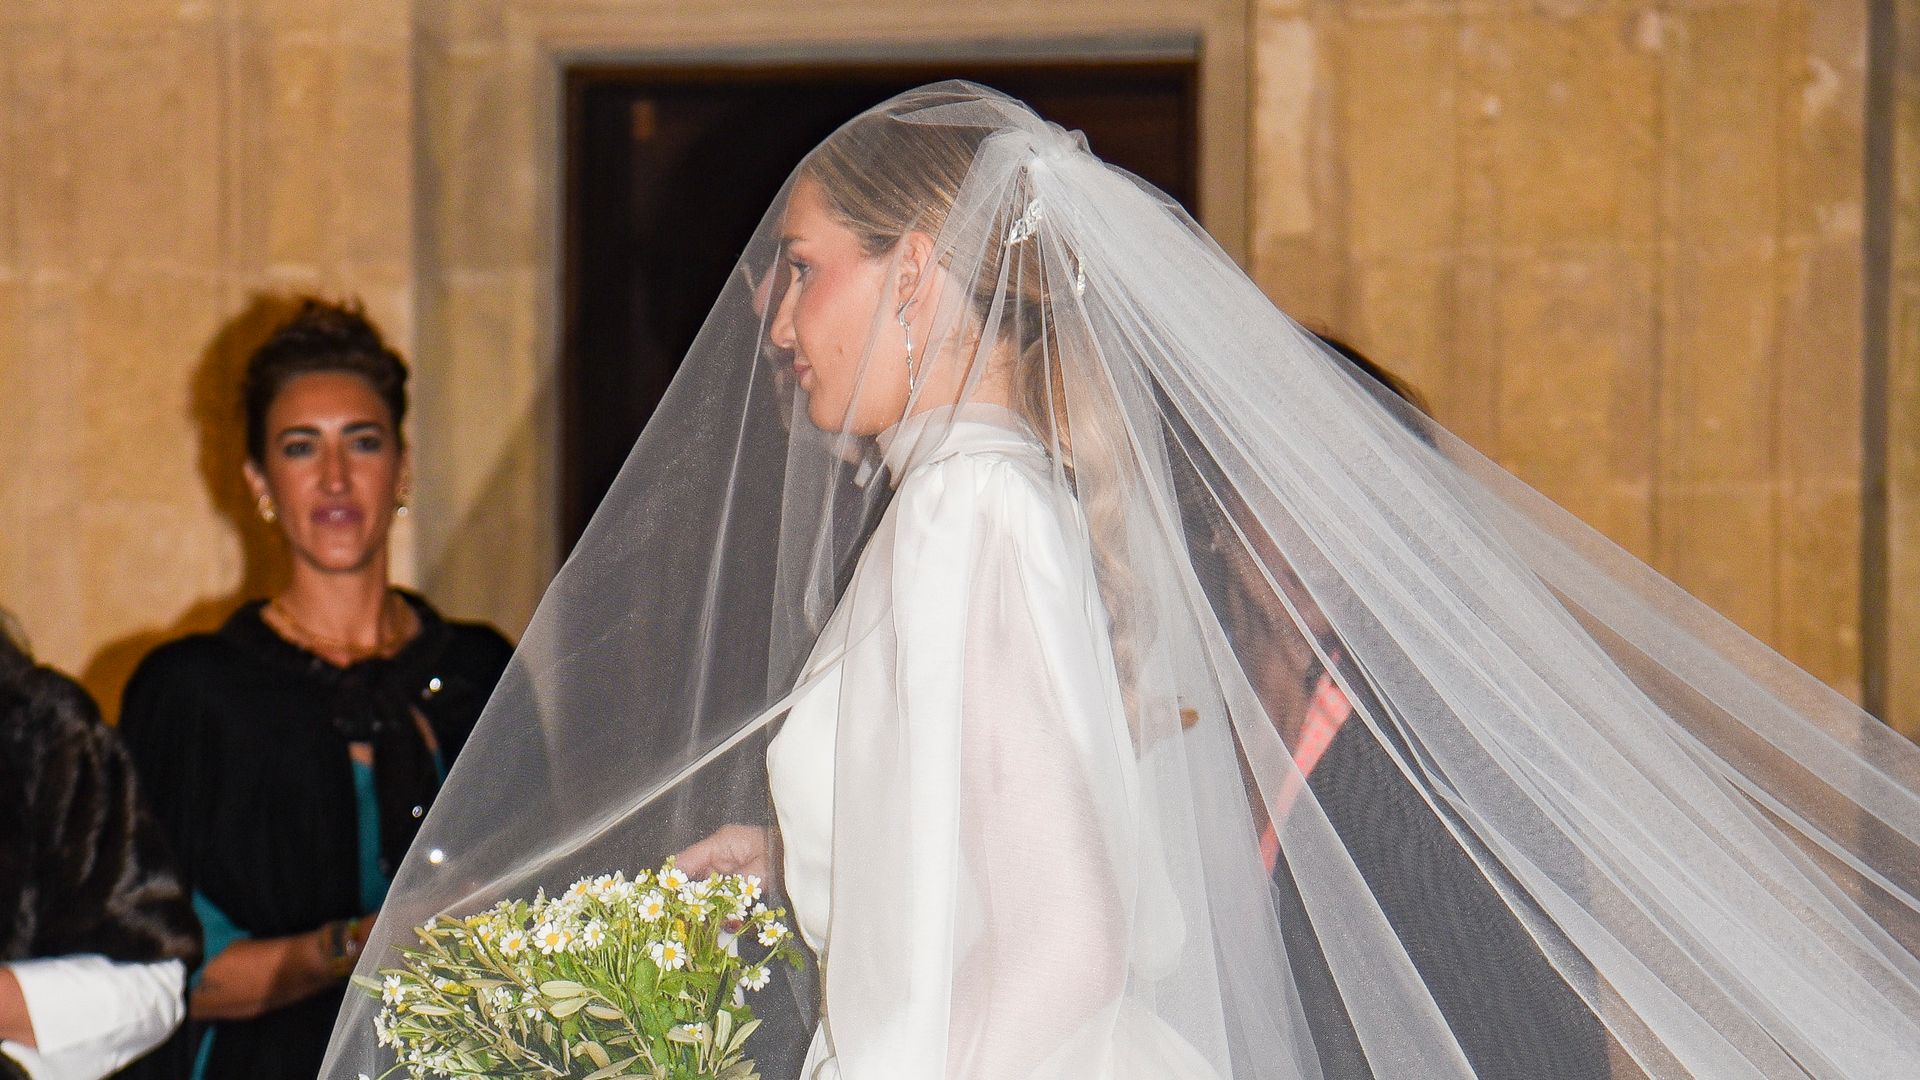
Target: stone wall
x,y
165,167
1898,614
1617,244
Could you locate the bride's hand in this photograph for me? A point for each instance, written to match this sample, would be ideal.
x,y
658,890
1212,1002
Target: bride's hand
x,y
731,849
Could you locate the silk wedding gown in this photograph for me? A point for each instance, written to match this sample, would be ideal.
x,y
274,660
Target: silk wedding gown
x,y
971,636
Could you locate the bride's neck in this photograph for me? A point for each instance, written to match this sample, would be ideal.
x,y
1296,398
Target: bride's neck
x,y
994,387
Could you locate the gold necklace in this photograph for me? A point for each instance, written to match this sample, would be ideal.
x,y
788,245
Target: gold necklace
x,y
388,633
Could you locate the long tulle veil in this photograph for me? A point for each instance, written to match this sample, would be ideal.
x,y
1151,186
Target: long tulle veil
x,y
1422,776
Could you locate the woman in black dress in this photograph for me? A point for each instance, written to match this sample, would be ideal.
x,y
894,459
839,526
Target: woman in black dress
x,y
292,753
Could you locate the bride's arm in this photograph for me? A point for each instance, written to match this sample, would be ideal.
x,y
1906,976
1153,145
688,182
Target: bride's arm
x,y
983,862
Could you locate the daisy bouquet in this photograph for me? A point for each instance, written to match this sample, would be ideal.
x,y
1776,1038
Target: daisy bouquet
x,y
615,977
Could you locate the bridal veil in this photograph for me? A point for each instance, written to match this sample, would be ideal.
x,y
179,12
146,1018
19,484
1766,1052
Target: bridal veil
x,y
1566,821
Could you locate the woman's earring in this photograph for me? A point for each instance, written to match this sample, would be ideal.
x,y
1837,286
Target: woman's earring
x,y
264,504
400,507
906,331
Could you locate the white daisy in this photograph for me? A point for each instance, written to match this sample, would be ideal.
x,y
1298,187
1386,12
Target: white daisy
x,y
668,955
695,1032
750,890
553,939
593,935
673,879
513,942
391,991
652,906
756,977
578,891
604,885
772,933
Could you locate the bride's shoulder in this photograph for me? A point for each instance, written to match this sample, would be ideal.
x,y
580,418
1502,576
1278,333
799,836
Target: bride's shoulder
x,y
1009,489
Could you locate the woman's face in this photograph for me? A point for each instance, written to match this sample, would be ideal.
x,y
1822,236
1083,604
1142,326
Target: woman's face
x,y
333,468
836,315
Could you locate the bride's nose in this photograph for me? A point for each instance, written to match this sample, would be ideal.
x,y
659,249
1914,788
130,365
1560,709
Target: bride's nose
x,y
780,330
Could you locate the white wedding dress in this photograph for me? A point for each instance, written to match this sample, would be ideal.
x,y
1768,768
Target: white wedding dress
x,y
1020,764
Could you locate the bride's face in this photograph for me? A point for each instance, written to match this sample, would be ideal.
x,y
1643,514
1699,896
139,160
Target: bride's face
x,y
836,316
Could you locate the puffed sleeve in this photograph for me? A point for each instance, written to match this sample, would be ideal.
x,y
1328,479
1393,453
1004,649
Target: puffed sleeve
x,y
984,856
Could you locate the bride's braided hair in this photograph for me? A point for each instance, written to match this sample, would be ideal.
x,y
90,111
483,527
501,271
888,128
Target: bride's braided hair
x,y
883,178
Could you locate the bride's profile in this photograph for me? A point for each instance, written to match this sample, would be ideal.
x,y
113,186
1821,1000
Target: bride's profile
x,y
946,592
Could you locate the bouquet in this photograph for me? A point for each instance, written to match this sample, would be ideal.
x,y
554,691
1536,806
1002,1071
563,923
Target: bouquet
x,y
615,977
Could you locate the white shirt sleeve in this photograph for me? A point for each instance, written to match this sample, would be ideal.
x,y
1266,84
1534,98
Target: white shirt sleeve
x,y
91,1016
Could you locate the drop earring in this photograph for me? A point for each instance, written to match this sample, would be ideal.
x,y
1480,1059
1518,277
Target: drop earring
x,y
264,504
906,331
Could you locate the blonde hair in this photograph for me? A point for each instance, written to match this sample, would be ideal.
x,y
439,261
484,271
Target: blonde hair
x,y
884,177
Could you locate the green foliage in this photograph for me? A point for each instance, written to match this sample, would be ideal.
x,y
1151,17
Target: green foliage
x,y
645,977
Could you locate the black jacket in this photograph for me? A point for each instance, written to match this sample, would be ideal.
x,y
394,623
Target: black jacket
x,y
84,865
242,741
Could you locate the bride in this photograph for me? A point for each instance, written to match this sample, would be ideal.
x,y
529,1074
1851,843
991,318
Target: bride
x,y
965,585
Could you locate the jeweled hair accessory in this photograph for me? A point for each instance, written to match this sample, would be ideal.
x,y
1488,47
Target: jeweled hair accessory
x,y
1026,224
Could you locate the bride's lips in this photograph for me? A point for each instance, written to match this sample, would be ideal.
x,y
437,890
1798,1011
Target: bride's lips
x,y
339,515
802,374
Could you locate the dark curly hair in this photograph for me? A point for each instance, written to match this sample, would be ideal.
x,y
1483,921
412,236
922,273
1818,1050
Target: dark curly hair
x,y
321,336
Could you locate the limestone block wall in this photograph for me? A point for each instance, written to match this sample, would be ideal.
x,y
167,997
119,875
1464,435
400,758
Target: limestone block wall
x,y
1616,242
1618,245
1898,415
165,166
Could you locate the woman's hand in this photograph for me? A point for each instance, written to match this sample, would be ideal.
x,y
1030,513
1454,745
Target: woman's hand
x,y
732,849
253,977
359,932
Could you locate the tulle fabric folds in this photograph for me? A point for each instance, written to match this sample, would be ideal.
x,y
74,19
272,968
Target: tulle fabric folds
x,y
1169,700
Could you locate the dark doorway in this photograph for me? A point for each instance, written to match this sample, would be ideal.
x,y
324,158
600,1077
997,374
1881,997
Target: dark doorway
x,y
669,170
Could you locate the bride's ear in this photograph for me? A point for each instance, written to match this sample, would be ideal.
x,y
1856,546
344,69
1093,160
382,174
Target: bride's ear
x,y
915,262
